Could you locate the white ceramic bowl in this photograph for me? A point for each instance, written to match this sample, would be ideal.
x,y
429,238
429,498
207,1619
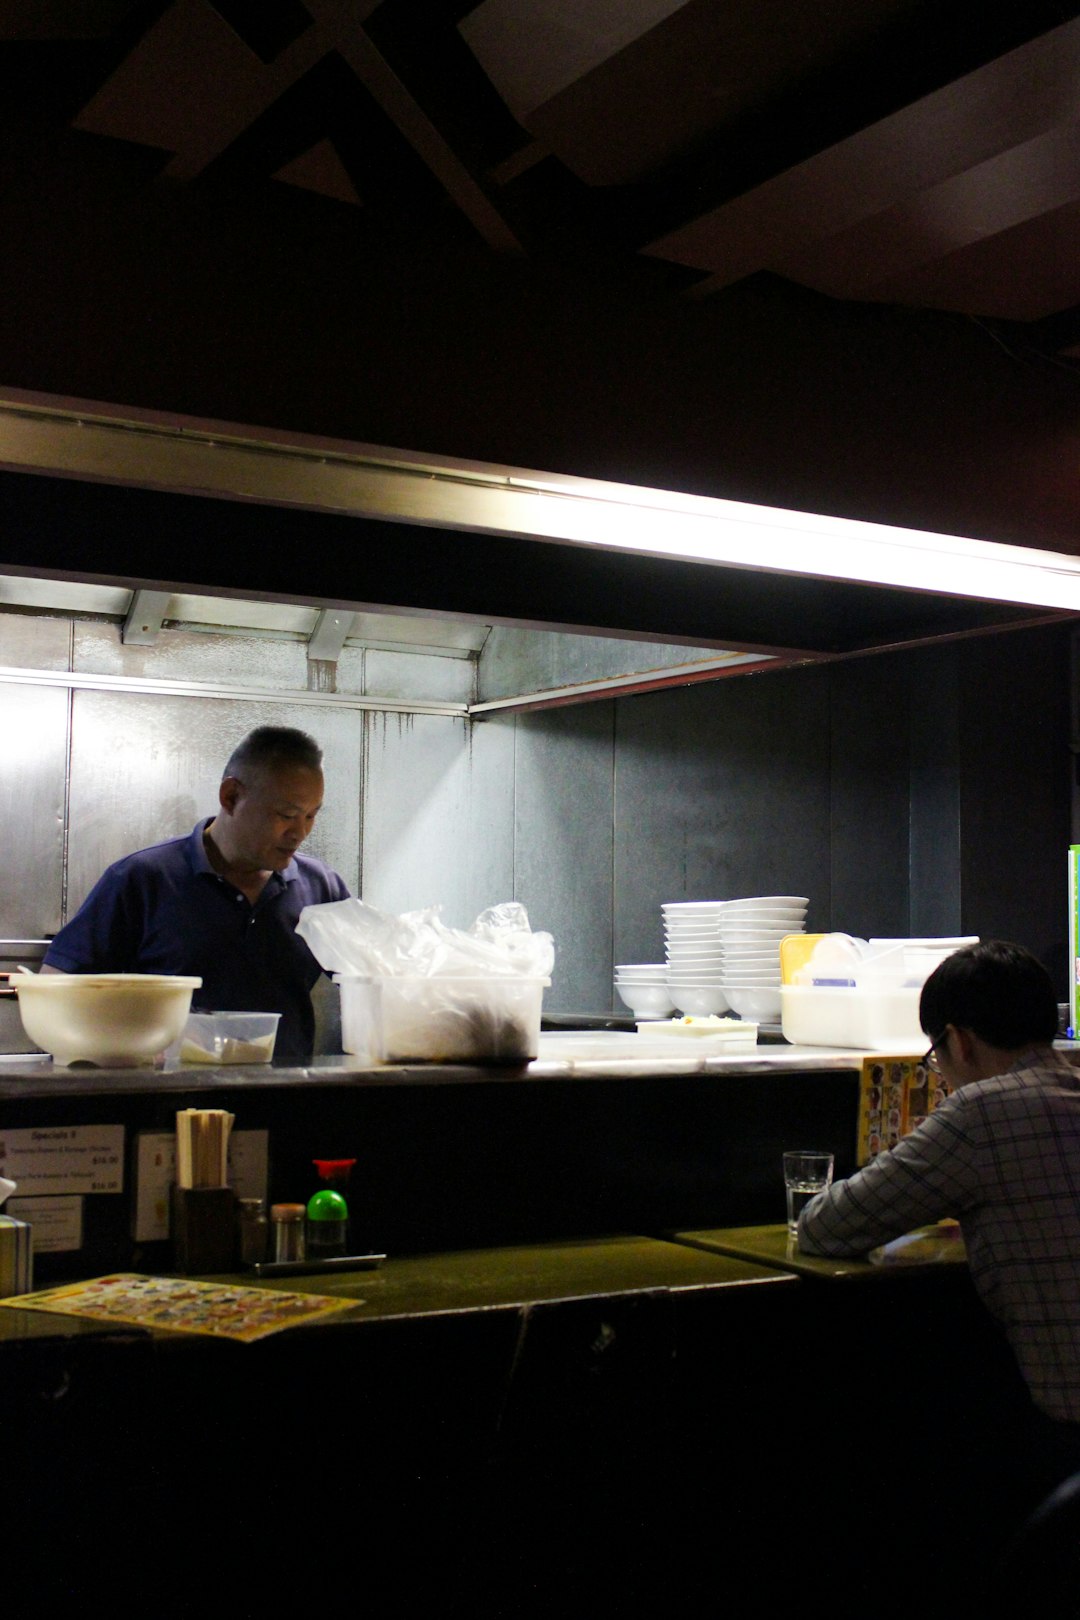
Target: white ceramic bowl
x,y
695,998
639,970
763,1004
755,937
112,1020
683,908
758,900
646,1000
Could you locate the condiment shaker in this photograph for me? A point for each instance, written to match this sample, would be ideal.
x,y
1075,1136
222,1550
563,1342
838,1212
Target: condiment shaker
x,y
287,1221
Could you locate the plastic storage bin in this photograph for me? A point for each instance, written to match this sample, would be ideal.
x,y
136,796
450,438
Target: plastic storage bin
x,y
445,1020
849,1015
226,1037
361,1016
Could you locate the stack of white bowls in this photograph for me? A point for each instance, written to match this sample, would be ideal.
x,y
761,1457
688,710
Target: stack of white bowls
x,y
751,931
643,987
695,956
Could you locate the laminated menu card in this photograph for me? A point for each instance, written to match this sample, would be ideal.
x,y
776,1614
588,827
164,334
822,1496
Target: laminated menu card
x,y
895,1095
182,1306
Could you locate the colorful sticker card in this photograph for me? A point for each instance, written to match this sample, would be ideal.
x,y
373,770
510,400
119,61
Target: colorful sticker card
x,y
182,1306
895,1095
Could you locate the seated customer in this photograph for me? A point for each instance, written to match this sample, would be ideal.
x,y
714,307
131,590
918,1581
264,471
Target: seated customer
x,y
1002,1155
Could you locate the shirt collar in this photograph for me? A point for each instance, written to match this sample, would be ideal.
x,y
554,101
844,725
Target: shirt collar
x,y
1037,1057
200,861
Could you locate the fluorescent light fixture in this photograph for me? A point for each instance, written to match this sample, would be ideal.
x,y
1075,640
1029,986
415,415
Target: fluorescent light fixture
x,y
74,439
736,534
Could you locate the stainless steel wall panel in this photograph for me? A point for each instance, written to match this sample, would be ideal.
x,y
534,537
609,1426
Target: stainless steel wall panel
x,y
33,762
515,661
182,655
416,676
437,821
27,642
563,843
721,791
145,768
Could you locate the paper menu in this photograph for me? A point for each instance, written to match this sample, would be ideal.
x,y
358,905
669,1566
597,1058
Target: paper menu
x,y
179,1305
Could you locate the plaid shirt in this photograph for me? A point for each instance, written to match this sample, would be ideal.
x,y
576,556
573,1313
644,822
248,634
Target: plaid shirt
x,y
1003,1157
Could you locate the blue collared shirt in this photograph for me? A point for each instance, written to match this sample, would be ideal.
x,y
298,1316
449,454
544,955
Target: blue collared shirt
x,y
165,910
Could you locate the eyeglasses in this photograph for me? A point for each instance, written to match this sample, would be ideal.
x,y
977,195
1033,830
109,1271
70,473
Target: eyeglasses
x,y
931,1060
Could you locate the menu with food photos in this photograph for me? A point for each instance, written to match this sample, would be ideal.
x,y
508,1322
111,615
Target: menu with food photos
x,y
895,1095
179,1305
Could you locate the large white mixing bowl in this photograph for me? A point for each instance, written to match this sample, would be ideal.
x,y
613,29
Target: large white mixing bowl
x,y
113,1020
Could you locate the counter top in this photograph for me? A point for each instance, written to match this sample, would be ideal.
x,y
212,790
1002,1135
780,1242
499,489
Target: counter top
x,y
774,1246
506,1278
565,1055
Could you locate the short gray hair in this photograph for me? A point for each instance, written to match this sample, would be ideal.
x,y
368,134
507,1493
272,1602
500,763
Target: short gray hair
x,y
270,746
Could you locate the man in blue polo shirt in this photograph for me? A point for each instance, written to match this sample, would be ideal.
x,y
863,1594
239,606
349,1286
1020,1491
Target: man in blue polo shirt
x,y
223,902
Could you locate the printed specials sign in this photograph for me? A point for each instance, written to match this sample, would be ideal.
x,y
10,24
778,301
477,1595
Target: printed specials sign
x,y
64,1159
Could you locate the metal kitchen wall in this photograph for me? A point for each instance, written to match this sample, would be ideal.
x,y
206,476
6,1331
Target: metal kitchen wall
x,y
921,792
88,775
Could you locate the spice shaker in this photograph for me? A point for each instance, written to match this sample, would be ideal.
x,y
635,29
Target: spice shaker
x,y
287,1221
254,1230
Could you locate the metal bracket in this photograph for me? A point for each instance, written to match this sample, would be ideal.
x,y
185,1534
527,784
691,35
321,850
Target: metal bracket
x,y
328,636
144,617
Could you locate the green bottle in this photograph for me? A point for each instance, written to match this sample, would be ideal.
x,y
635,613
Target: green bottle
x,y
327,1224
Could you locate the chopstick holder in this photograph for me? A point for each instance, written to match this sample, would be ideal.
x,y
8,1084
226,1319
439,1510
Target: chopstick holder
x,y
203,1204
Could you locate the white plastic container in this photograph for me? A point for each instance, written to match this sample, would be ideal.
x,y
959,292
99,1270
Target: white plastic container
x,y
849,1015
361,1016
444,1020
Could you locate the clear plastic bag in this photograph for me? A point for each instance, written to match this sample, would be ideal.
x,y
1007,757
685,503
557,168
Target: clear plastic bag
x,y
412,988
349,936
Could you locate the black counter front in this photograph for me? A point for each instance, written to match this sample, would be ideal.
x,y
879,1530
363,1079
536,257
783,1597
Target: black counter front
x,y
452,1157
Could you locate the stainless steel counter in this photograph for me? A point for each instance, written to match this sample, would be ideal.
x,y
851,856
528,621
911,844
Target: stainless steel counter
x,y
563,1056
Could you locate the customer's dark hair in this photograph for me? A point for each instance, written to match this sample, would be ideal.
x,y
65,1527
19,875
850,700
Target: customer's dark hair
x,y
997,989
272,746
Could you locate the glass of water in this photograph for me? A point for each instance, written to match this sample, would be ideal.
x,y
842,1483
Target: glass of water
x,y
805,1174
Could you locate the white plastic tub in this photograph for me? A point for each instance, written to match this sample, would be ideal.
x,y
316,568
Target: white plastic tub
x,y
444,1020
361,1016
847,1015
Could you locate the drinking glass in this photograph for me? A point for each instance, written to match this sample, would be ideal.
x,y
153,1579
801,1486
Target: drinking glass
x,y
805,1174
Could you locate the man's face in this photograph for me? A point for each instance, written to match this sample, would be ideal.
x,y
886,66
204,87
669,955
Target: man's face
x,y
269,815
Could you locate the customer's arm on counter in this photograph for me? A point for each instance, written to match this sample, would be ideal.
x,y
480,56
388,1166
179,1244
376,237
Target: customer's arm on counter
x,y
929,1175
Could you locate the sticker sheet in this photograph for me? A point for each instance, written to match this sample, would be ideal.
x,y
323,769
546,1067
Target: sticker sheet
x,y
895,1095
182,1306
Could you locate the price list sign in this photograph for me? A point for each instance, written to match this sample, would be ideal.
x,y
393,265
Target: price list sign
x,y
64,1159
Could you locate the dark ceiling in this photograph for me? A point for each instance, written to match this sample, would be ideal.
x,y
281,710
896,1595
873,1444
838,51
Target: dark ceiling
x,y
816,253
922,152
